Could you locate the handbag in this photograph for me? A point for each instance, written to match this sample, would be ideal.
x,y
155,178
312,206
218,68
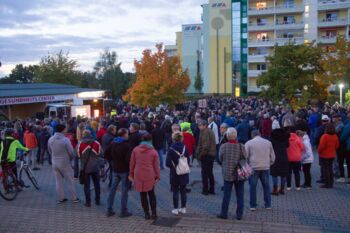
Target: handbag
x,y
82,172
244,170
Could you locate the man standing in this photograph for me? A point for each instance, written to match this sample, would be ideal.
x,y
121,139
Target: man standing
x,y
62,153
158,139
261,156
206,151
118,154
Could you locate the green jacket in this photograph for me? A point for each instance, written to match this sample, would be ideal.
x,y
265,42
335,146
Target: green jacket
x,y
15,145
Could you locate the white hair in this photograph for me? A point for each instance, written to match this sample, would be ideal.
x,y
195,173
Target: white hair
x,y
231,133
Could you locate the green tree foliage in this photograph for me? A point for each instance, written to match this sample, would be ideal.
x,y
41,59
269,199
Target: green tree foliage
x,y
347,98
198,83
291,70
21,74
58,68
109,74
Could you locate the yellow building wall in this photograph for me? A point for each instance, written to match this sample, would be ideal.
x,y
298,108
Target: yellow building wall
x,y
340,31
224,38
342,14
179,44
252,81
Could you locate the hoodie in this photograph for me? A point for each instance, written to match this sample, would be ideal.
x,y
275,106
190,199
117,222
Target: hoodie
x,y
308,155
61,150
118,154
295,149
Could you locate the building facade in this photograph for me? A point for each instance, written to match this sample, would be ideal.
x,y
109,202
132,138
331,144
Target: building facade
x,y
238,35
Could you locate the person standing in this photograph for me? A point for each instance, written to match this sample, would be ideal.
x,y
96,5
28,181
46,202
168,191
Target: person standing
x,y
118,155
89,152
229,155
62,153
158,137
307,159
206,151
31,142
145,173
295,150
327,150
178,182
345,139
260,156
280,143
101,131
190,143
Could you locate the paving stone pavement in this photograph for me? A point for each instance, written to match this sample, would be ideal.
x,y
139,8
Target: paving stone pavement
x,y
316,210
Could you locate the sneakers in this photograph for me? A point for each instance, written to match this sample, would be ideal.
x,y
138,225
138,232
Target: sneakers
x,y
340,180
252,209
175,211
289,188
220,216
182,210
62,201
76,200
268,208
298,188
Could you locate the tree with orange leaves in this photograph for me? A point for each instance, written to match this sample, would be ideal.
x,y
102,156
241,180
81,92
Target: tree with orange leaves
x,y
159,80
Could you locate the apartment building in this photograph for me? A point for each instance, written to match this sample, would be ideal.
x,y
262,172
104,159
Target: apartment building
x,y
237,35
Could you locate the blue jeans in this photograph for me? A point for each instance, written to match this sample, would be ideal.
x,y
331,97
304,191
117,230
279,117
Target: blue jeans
x,y
76,165
176,190
161,160
117,178
263,176
239,188
96,180
275,181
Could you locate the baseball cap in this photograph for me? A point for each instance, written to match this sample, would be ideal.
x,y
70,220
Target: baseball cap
x,y
325,118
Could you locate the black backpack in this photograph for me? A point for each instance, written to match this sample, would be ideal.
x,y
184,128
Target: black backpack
x,y
6,147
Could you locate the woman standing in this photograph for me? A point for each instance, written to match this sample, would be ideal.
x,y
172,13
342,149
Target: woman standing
x,y
280,143
327,150
145,173
307,159
178,182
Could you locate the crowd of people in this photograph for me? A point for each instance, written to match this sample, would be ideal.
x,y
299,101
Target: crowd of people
x,y
275,140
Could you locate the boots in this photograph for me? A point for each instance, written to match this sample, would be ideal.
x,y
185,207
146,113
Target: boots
x,y
281,190
275,191
154,214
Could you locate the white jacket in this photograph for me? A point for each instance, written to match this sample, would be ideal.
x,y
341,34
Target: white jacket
x,y
308,155
214,127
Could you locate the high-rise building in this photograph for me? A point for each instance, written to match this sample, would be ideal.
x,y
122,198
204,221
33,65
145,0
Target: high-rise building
x,y
238,35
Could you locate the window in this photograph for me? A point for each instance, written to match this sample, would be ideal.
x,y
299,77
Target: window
x,y
331,16
262,50
289,3
331,34
261,66
261,5
244,36
288,20
262,36
261,21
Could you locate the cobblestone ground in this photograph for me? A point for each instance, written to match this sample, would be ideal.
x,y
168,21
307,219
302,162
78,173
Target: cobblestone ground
x,y
315,210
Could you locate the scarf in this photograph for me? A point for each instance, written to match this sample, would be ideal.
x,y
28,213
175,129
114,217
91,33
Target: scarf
x,y
232,141
148,143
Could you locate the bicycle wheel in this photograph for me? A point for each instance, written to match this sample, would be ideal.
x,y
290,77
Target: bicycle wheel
x,y
8,186
32,178
106,172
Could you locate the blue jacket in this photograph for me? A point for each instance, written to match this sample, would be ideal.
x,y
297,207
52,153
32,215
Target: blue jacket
x,y
313,121
243,132
345,135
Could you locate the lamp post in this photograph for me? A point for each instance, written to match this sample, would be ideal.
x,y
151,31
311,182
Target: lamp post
x,y
341,86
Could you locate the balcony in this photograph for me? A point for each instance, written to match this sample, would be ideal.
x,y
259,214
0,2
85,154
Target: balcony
x,y
327,39
289,25
282,9
325,5
257,57
254,89
261,43
284,41
255,73
261,11
333,22
261,27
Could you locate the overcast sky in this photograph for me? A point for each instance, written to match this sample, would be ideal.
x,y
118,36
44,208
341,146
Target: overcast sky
x,y
30,29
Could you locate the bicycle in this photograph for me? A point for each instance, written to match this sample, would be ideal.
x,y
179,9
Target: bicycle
x,y
24,167
9,186
104,172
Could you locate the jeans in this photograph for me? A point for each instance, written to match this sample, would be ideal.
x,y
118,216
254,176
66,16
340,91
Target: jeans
x,y
117,178
207,163
307,174
263,176
32,157
152,201
294,167
313,136
275,181
176,190
161,160
43,152
76,165
96,180
239,188
327,168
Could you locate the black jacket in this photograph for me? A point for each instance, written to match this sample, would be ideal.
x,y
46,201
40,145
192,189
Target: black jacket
x,y
158,138
280,143
118,154
172,161
134,139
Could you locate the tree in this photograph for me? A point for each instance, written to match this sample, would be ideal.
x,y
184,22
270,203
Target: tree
x,y
159,79
347,98
21,74
336,63
198,83
291,70
110,75
58,68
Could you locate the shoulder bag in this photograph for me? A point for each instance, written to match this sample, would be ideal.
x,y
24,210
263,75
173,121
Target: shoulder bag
x,y
244,170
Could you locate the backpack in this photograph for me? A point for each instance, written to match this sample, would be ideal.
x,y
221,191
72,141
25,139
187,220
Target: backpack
x,y
182,167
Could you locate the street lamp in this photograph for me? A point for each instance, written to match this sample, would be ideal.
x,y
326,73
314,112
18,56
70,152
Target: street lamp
x,y
341,86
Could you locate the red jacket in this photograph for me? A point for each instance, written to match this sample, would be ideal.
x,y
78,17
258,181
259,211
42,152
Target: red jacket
x,y
30,140
295,149
96,147
266,127
190,142
72,139
328,146
102,131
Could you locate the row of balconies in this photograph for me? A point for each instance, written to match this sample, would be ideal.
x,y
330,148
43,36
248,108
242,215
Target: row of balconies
x,y
266,42
281,9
